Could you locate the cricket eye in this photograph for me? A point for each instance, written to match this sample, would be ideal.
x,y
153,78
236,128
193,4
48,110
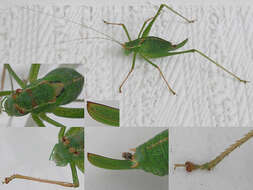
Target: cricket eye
x,y
76,153
127,155
18,91
65,141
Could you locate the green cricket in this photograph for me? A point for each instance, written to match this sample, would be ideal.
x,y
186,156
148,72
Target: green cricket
x,y
148,47
46,95
151,156
68,151
190,166
154,47
59,87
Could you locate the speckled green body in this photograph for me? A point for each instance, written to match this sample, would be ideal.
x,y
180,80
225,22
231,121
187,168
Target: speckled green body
x,y
152,156
70,149
104,114
151,47
60,86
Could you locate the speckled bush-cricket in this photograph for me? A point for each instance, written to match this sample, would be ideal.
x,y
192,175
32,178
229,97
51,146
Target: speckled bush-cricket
x,y
59,87
68,151
149,47
151,156
190,166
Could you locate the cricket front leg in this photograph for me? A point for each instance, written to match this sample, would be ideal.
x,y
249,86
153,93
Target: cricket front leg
x,y
123,26
15,76
74,175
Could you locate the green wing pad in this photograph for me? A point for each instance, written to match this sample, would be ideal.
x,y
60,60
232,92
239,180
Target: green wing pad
x,y
104,114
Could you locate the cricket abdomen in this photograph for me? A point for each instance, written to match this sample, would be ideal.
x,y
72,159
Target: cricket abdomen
x,y
152,47
72,81
152,156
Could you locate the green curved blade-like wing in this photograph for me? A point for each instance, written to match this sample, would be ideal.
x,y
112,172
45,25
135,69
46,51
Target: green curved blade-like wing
x,y
104,114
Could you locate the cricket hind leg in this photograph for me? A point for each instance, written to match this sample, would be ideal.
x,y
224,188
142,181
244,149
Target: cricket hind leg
x,y
148,28
172,91
208,58
143,26
131,70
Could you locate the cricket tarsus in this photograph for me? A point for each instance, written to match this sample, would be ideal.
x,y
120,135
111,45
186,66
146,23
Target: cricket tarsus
x,y
189,166
123,26
17,176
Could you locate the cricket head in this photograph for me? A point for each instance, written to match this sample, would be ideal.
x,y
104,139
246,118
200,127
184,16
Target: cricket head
x,y
131,46
11,107
58,155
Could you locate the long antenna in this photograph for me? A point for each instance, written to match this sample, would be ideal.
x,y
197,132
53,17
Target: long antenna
x,y
74,22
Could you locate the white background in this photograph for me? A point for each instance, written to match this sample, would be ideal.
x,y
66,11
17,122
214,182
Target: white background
x,y
201,145
111,142
26,151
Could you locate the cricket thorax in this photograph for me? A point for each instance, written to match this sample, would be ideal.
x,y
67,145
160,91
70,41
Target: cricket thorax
x,y
34,98
69,149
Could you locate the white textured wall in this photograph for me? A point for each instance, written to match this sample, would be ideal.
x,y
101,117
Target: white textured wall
x,y
206,95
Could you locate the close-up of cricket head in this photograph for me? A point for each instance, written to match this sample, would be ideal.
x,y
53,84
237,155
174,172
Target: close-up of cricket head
x,y
40,96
